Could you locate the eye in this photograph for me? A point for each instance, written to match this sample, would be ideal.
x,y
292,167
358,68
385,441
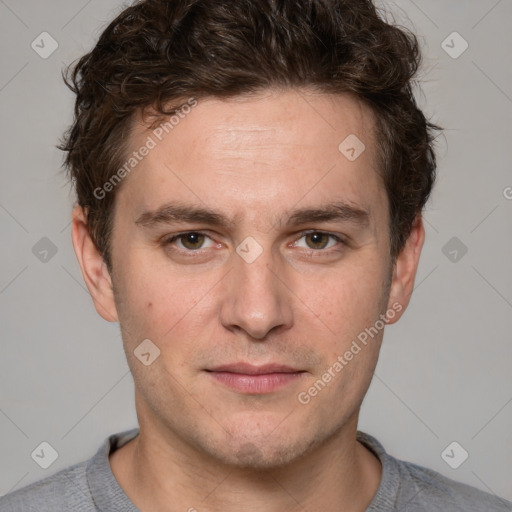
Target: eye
x,y
190,241
318,240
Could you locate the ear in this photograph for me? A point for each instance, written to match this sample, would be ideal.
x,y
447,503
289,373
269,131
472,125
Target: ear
x,y
404,270
94,269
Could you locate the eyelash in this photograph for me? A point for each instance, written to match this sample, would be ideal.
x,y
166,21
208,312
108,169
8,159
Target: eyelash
x,y
192,253
331,235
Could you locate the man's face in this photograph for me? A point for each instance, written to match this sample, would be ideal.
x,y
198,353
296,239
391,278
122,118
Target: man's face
x,y
275,283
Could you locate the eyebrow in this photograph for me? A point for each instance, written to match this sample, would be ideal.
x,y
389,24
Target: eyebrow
x,y
338,211
169,213
176,213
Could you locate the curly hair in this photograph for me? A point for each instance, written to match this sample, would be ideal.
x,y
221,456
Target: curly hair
x,y
157,52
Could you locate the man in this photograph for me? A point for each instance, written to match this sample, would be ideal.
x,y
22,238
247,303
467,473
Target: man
x,y
250,179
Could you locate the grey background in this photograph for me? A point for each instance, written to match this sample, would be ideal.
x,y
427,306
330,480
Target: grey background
x,y
444,372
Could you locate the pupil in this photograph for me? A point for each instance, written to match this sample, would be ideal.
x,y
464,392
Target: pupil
x,y
192,240
317,239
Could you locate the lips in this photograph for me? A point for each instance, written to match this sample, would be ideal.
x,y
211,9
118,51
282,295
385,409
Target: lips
x,y
249,369
251,379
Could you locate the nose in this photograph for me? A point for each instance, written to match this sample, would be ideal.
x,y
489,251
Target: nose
x,y
256,298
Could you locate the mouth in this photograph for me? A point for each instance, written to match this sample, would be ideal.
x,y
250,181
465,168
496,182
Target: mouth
x,y
255,380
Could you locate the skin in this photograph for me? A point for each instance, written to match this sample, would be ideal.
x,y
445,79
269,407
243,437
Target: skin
x,y
302,302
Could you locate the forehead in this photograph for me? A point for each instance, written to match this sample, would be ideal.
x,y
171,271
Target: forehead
x,y
278,116
276,148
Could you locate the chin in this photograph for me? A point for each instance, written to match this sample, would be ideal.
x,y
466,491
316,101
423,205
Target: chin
x,y
262,452
264,441
261,456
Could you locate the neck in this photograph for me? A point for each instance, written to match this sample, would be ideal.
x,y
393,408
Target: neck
x,y
157,469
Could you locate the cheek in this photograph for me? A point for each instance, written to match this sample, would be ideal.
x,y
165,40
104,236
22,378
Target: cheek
x,y
347,300
161,305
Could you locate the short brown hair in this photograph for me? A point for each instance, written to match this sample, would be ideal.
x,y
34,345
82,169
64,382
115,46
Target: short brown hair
x,y
158,51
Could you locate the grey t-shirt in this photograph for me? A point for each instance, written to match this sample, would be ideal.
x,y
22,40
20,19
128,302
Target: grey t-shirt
x,y
90,486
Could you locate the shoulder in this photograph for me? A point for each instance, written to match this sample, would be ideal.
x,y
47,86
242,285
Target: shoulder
x,y
442,493
66,490
408,486
83,487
